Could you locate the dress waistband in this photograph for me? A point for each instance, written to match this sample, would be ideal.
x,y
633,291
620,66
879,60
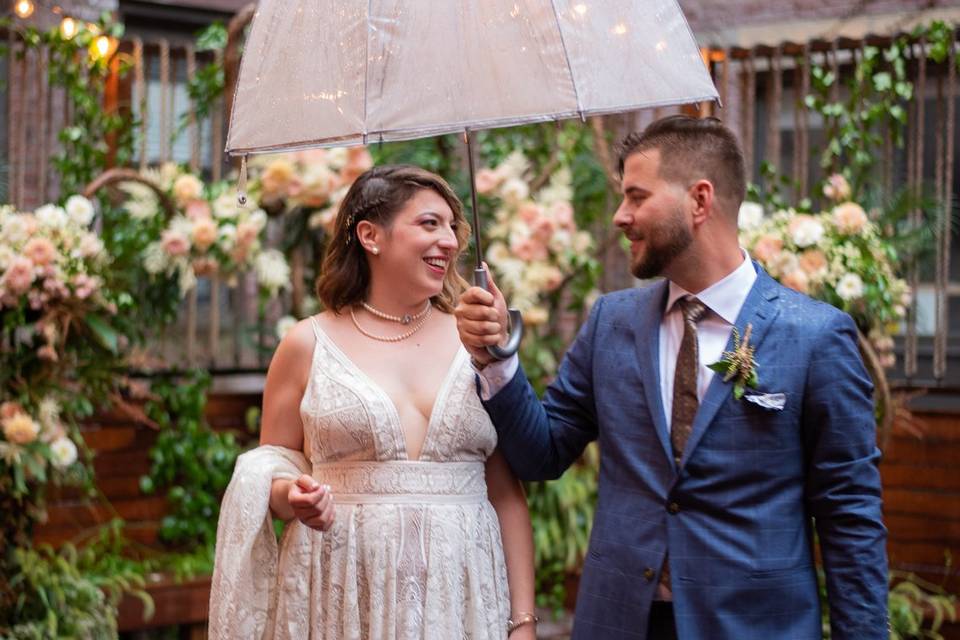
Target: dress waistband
x,y
403,482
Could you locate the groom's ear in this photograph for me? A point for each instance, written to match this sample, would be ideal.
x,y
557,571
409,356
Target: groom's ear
x,y
701,195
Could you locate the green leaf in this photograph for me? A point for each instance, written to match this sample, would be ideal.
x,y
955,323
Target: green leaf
x,y
721,366
738,390
103,332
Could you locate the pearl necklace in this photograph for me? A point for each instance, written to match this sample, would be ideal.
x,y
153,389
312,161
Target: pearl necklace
x,y
403,336
405,319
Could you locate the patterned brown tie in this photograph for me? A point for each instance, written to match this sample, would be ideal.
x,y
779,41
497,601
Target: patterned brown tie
x,y
685,402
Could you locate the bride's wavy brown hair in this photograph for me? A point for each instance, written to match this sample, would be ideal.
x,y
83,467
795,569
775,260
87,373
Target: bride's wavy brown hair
x,y
377,195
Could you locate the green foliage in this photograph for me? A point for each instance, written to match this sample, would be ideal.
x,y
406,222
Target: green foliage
x,y
59,595
87,140
207,85
561,512
191,461
918,608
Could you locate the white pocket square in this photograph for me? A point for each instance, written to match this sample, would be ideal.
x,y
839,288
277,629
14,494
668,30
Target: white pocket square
x,y
775,401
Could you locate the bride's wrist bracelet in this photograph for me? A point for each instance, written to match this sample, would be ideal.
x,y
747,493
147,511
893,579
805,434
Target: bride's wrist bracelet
x,y
520,619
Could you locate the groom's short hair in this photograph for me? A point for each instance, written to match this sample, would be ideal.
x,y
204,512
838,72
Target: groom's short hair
x,y
692,149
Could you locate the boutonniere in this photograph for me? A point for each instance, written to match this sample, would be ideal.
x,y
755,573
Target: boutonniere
x,y
738,364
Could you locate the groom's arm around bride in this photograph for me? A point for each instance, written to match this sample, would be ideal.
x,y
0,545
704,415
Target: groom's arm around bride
x,y
708,500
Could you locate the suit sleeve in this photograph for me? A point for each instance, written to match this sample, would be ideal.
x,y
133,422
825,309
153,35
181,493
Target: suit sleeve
x,y
541,440
843,483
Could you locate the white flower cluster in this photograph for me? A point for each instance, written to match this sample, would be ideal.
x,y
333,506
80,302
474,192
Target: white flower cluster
x,y
838,256
20,430
534,238
50,256
211,235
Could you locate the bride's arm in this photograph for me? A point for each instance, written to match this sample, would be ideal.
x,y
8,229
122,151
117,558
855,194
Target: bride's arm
x,y
508,499
280,420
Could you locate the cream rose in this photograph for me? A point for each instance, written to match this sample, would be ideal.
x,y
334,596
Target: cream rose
x,y
849,217
187,188
20,429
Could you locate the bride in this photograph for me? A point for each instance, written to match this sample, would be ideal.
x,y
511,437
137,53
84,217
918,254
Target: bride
x,y
403,521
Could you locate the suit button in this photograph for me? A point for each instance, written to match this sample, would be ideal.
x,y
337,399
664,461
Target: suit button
x,y
673,508
648,573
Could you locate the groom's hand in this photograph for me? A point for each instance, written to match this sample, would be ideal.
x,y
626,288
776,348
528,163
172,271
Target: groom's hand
x,y
482,319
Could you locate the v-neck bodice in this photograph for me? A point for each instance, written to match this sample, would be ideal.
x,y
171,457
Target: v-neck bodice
x,y
347,416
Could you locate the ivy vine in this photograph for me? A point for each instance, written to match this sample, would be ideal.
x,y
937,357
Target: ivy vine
x,y
191,462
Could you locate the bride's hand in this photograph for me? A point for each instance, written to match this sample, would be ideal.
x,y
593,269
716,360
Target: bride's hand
x,y
312,503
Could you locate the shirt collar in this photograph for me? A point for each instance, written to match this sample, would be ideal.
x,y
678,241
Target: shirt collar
x,y
725,297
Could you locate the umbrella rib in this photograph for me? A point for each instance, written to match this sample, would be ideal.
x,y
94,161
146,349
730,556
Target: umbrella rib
x,y
366,72
566,56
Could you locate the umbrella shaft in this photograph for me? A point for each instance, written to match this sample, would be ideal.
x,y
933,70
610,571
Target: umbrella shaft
x,y
468,138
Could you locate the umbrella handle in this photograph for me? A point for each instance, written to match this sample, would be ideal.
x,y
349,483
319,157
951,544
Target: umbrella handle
x,y
516,323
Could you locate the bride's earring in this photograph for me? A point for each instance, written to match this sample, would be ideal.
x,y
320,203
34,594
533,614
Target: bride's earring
x,y
375,250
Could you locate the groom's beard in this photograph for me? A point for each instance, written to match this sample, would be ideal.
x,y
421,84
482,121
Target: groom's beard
x,y
662,244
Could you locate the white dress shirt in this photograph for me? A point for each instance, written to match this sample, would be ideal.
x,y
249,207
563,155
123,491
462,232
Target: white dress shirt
x,y
723,300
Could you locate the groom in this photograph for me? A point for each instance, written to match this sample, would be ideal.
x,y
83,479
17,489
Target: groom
x,y
712,484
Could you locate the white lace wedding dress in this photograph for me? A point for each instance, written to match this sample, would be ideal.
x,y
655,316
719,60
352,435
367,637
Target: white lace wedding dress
x,y
415,549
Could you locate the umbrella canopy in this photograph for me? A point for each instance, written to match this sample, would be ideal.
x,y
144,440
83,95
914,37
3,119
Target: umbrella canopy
x,y
337,72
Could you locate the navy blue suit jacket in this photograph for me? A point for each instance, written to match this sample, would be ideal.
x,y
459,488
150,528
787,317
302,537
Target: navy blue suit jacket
x,y
738,516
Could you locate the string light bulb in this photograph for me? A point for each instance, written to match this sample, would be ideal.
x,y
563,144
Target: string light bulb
x,y
68,28
103,47
23,8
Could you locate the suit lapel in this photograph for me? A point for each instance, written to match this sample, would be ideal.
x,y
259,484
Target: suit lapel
x,y
759,310
648,351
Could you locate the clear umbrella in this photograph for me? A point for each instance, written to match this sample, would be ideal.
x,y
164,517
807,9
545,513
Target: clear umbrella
x,y
321,73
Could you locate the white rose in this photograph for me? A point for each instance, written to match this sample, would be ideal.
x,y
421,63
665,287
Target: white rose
x,y
515,190
90,246
80,210
850,287
751,215
336,157
64,452
225,207
273,272
284,325
227,237
807,233
16,229
155,258
52,216
259,219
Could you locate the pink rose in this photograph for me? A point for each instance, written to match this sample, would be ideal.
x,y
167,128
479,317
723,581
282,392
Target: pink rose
x,y
837,188
19,275
486,181
562,213
84,286
40,251
529,212
767,248
174,243
204,233
247,233
796,280
529,249
543,228
849,217
198,210
553,280
813,261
